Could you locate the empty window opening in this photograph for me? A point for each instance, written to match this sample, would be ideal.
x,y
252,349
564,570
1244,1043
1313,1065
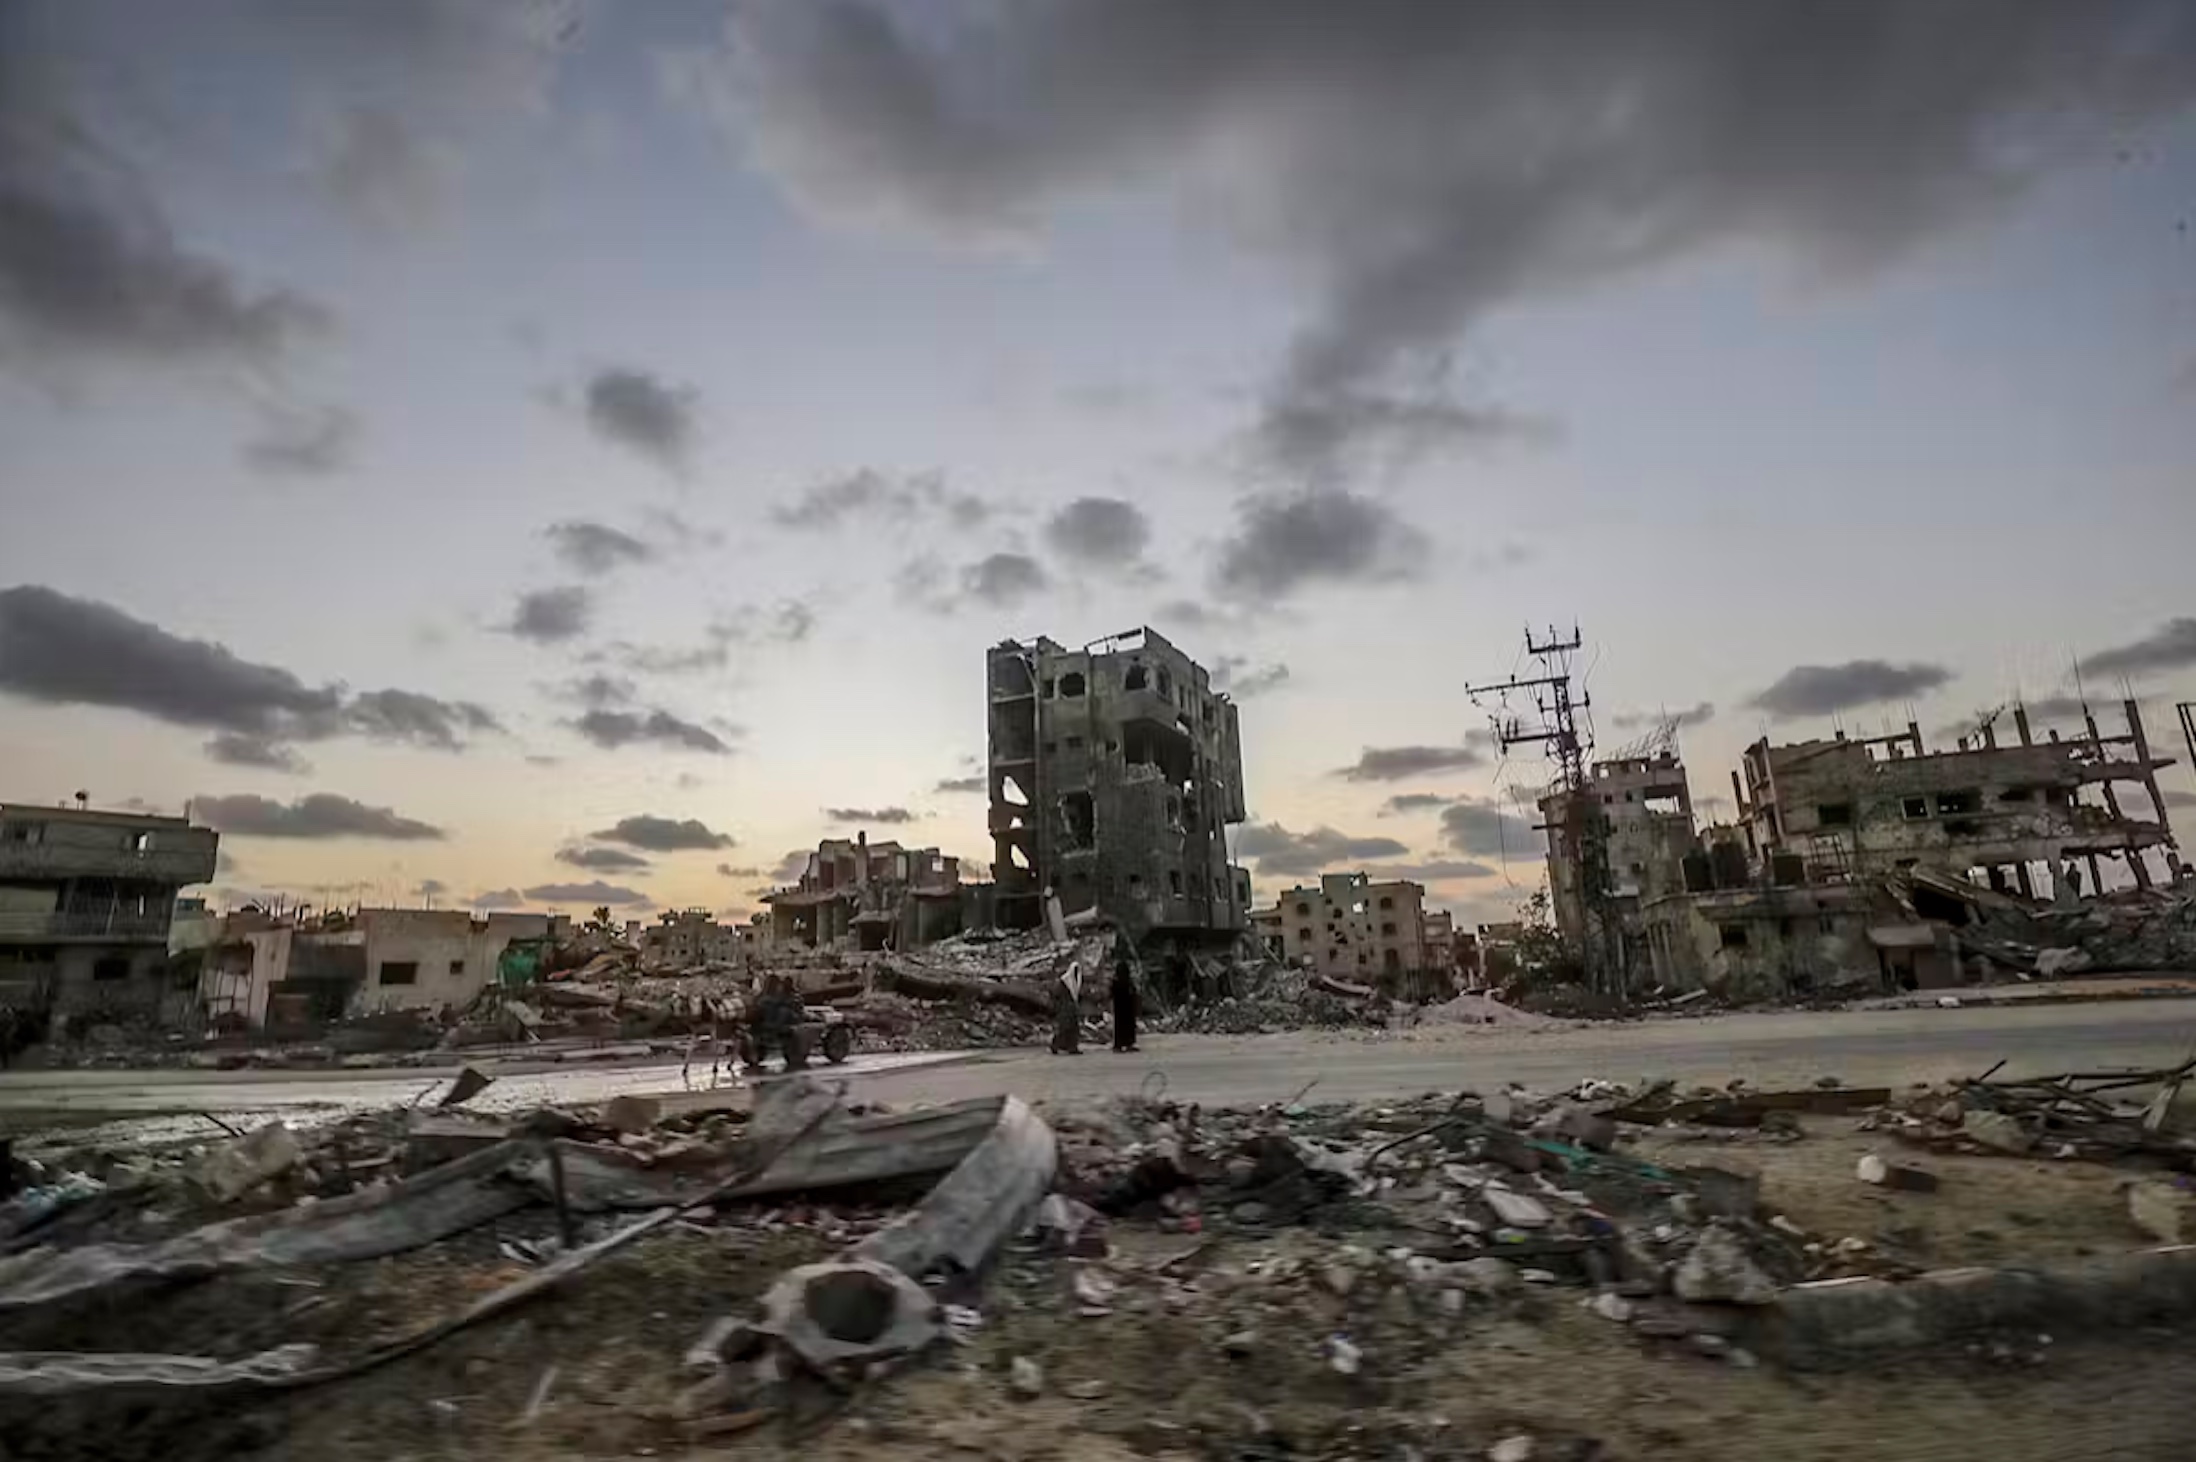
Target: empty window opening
x,y
1075,743
1136,679
1166,684
1303,911
1954,803
1079,819
457,967
1136,883
141,843
1071,684
1018,860
2017,794
111,967
1304,935
1174,881
1663,806
1358,907
1113,747
1914,806
399,972
1048,688
1391,959
1386,902
1834,814
1826,924
1733,936
1010,791
1388,928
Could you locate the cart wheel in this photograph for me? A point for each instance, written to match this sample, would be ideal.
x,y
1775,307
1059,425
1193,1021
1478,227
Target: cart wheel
x,y
838,1043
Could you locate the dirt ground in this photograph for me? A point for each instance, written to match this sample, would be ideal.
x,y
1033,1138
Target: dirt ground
x,y
1215,1346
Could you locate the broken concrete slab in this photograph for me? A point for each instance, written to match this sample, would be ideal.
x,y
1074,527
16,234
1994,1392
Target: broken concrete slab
x,y
1719,1270
1873,1169
2164,1208
631,1114
1517,1210
235,1168
1999,1131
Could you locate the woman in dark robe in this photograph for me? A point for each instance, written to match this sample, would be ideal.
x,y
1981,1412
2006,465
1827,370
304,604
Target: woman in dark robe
x,y
1124,1006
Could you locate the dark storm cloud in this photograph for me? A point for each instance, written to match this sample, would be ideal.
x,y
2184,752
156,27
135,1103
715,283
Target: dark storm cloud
x,y
302,441
1276,850
497,898
598,690
322,815
1415,802
1304,540
61,650
420,720
596,892
602,860
728,871
1440,870
955,786
1103,532
888,815
1822,690
597,548
384,170
1236,675
240,749
88,265
1401,763
2172,647
1424,166
636,410
1004,580
612,730
789,622
868,493
1476,826
664,834
1697,714
552,616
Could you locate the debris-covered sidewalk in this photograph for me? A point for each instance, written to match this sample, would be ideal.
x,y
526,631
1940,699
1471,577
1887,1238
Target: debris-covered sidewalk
x,y
1137,1276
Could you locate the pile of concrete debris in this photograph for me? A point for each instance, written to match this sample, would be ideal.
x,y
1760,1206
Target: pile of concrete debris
x,y
1324,1236
1235,996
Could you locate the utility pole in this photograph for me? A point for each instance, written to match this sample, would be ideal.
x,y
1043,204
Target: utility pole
x,y
1581,831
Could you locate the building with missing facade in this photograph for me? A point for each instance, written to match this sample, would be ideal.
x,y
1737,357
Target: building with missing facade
x,y
1115,771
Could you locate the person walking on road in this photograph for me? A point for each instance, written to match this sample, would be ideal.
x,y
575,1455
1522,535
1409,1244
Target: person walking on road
x,y
1124,1004
1067,1012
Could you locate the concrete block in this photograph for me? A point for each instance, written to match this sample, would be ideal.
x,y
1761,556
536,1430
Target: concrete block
x,y
631,1114
1873,1169
2000,1132
1517,1210
2163,1208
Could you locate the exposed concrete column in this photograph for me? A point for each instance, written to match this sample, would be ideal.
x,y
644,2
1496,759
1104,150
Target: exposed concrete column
x,y
2020,724
2020,870
2096,879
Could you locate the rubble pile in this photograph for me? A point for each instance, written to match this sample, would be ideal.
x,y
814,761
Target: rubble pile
x,y
897,1022
1304,1243
1264,995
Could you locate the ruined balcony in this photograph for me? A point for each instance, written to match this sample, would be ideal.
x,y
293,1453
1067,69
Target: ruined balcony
x,y
128,927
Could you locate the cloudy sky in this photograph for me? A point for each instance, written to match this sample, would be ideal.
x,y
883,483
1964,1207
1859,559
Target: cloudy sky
x,y
553,453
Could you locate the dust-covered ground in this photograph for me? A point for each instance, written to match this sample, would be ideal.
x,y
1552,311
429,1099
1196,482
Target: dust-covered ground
x,y
1212,1335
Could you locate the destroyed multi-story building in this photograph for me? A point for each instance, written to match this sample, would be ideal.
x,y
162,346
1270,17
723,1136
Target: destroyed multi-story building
x,y
2029,813
682,937
1115,771
859,895
1351,927
1614,843
86,898
1841,840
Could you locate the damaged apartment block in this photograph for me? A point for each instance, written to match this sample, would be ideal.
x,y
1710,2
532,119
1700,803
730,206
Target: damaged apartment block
x,y
859,895
1114,773
1863,854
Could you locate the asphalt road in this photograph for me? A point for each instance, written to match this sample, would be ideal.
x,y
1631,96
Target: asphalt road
x,y
1863,1048
1873,1048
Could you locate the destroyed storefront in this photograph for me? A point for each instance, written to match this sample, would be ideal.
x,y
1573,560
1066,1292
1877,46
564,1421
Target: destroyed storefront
x,y
861,896
1115,771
